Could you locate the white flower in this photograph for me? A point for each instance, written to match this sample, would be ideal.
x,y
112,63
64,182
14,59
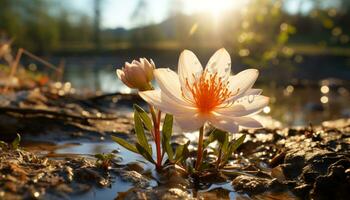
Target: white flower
x,y
195,96
137,74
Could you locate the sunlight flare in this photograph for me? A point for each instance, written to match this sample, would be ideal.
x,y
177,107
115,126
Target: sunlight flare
x,y
215,8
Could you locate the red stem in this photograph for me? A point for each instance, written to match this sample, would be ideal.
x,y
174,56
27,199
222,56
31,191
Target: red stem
x,y
159,154
156,125
200,148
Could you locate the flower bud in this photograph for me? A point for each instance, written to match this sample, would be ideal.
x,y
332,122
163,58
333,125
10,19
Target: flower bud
x,y
148,67
137,74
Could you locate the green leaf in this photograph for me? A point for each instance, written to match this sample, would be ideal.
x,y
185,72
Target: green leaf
x,y
237,143
181,152
233,147
190,169
166,136
15,143
99,156
168,125
104,157
216,134
140,132
225,143
125,144
220,136
144,153
3,144
144,117
210,139
205,166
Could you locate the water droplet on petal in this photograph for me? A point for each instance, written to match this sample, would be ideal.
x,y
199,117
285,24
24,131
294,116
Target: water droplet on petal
x,y
251,98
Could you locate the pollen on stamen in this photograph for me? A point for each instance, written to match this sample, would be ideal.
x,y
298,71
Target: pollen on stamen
x,y
208,91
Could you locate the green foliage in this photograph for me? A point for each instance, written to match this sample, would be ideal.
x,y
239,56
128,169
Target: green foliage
x,y
102,157
142,147
125,144
14,144
35,27
144,117
214,135
166,136
264,34
145,153
225,147
16,141
3,144
142,121
104,160
140,133
257,32
181,153
232,147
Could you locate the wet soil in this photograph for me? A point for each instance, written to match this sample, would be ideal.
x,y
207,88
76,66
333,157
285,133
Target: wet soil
x,y
63,132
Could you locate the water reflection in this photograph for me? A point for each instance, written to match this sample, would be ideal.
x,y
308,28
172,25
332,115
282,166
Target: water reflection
x,y
304,104
96,148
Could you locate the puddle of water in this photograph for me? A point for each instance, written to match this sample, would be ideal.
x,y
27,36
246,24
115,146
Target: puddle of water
x,y
68,149
117,186
65,149
97,148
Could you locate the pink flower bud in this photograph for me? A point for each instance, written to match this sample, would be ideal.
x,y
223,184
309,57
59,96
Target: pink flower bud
x,y
137,74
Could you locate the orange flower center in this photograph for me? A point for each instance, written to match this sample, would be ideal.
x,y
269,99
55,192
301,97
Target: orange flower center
x,y
208,91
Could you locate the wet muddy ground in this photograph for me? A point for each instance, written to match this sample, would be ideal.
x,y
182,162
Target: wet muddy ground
x,y
62,133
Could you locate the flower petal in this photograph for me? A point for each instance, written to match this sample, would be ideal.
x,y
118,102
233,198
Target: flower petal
x,y
161,101
247,122
122,77
242,82
224,123
169,83
189,67
190,122
220,63
244,106
253,92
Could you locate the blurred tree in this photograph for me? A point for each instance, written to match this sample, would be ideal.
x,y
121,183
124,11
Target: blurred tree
x,y
263,31
97,20
145,33
140,15
35,28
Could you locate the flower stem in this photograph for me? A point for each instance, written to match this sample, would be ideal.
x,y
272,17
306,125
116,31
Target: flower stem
x,y
156,125
219,159
200,148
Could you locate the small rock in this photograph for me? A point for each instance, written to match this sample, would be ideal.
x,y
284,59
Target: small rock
x,y
250,185
86,174
133,176
134,166
334,185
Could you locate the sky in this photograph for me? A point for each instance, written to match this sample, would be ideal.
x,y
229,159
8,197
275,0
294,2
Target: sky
x,y
117,13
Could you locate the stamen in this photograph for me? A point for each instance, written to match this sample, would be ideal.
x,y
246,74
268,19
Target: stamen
x,y
209,91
